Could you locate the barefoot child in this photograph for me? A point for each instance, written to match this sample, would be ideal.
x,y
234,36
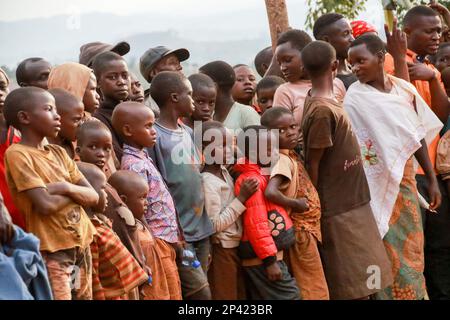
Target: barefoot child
x,y
71,111
265,91
204,94
115,273
224,209
165,285
50,191
134,123
290,187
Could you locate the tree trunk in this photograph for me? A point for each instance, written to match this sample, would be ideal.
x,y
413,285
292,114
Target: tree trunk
x,y
278,19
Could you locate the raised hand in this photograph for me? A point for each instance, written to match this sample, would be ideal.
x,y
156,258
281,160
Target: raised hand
x,y
397,44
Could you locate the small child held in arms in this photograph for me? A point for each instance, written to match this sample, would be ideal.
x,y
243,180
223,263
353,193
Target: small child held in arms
x,y
265,91
115,273
224,209
50,191
71,111
204,94
133,189
290,187
267,229
134,122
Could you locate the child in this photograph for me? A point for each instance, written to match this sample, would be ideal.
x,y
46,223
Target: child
x,y
113,79
136,89
177,159
50,191
263,60
441,59
244,87
134,189
33,72
290,187
233,115
445,76
95,147
134,123
443,160
351,242
224,209
204,93
265,91
71,111
7,137
292,94
80,81
115,273
267,229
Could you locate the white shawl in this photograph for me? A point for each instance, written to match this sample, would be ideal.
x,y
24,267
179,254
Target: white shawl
x,y
389,131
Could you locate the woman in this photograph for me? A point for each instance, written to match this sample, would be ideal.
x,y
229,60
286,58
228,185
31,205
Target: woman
x,y
393,124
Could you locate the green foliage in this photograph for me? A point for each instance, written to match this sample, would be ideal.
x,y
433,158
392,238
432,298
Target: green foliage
x,y
349,8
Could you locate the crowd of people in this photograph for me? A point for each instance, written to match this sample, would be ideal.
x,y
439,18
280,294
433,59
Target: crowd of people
x,y
329,178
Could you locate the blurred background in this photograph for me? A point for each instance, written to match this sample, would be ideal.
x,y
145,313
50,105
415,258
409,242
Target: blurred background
x,y
232,30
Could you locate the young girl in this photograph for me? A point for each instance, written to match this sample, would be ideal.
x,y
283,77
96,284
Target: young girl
x,y
224,210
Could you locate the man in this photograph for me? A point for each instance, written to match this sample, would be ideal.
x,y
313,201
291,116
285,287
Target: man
x,y
90,50
156,60
423,29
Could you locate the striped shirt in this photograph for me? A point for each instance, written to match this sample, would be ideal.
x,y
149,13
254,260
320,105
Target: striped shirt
x,y
161,215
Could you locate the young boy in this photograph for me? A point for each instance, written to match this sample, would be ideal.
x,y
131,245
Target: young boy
x,y
177,159
244,87
50,191
267,229
113,81
136,89
33,72
134,189
204,94
134,122
290,187
265,91
115,273
95,146
233,115
292,94
441,59
71,111
224,210
351,242
263,60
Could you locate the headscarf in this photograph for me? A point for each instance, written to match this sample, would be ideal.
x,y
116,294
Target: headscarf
x,y
360,27
71,76
6,76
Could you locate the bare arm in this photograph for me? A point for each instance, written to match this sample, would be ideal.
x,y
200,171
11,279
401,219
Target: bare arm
x,y
274,194
45,203
397,46
81,193
315,156
433,188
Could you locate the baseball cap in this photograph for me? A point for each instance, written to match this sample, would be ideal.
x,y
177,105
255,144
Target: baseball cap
x,y
153,55
90,50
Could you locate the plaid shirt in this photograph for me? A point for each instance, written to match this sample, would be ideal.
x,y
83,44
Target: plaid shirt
x,y
161,215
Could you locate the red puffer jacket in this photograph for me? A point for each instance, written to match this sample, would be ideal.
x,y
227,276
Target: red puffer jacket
x,y
267,228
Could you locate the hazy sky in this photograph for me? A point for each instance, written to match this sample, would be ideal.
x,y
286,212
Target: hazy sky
x,y
24,9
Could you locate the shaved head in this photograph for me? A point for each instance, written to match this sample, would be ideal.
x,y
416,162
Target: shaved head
x,y
164,84
127,113
125,181
86,128
65,101
263,60
318,57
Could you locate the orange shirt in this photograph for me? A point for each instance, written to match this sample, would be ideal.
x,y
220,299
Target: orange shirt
x,y
423,87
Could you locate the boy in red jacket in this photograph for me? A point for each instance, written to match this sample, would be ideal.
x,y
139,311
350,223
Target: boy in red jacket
x,y
267,228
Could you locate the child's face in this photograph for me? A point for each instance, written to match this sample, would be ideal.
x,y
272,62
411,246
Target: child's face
x,y
220,149
70,121
136,201
185,105
4,90
141,132
114,82
37,73
136,90
96,147
204,102
265,98
288,131
91,98
290,62
245,85
43,118
443,58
